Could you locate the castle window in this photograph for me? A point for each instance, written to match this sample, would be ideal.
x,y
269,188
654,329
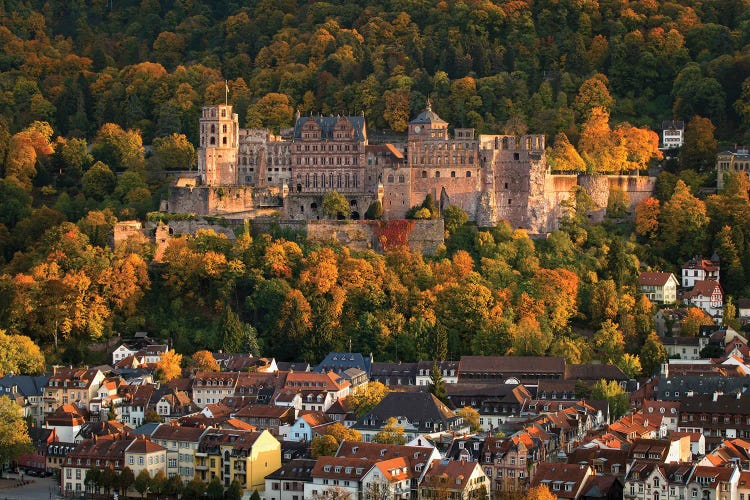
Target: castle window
x,y
516,156
330,180
468,173
213,128
506,185
213,141
390,179
223,113
224,129
437,173
509,201
424,174
338,181
453,173
401,179
224,140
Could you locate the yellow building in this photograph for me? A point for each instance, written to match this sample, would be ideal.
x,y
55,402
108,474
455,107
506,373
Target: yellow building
x,y
245,456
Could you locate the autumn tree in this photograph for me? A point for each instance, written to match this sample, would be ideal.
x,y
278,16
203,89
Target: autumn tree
x,y
362,400
169,366
563,156
173,152
121,149
391,433
13,431
20,355
593,93
682,222
471,417
692,321
630,365
609,342
647,218
540,492
204,361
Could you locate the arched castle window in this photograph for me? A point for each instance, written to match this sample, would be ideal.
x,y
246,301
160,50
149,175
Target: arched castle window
x,y
453,173
437,173
468,173
424,174
505,143
213,128
390,179
338,181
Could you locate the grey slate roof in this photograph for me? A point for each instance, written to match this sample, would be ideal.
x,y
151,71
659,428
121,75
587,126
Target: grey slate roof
x,y
146,429
420,407
26,385
681,384
339,362
327,123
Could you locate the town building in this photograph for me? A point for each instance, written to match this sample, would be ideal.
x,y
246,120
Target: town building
x,y
708,296
658,287
672,134
700,269
736,160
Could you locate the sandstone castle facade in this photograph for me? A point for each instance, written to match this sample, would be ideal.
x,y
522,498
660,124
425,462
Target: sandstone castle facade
x,y
252,173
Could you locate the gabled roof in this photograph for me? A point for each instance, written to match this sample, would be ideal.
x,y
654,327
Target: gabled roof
x,y
419,407
457,471
704,264
25,385
655,279
298,469
178,433
340,361
561,474
142,444
706,288
511,365
326,124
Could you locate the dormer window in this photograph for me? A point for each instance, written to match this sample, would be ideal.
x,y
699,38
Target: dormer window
x,y
327,468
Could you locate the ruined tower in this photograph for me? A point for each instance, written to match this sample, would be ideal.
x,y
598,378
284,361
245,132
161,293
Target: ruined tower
x,y
217,154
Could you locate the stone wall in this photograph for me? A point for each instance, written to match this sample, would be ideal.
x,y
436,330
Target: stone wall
x,y
425,235
306,206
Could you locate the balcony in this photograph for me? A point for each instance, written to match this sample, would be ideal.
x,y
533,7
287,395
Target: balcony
x,y
201,467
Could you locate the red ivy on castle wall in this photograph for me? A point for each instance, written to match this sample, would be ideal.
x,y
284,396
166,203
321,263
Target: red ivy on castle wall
x,y
392,233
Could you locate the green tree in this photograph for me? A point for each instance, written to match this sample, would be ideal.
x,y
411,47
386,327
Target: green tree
x,y
99,181
238,337
194,490
273,111
437,384
118,148
142,482
215,490
234,492
174,486
14,434
391,433
653,354
454,218
324,446
125,480
699,149
93,480
729,318
335,205
615,395
374,211
173,152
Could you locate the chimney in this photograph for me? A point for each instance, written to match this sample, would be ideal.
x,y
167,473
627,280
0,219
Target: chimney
x,y
715,396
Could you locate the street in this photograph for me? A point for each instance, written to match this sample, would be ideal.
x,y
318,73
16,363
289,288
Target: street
x,y
40,489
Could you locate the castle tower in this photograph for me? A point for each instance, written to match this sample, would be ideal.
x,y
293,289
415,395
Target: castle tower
x,y
217,154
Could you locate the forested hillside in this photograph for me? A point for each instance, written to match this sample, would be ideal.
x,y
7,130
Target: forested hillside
x,y
84,85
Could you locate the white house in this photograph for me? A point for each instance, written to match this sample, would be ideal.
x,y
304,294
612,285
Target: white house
x,y
343,475
122,352
658,287
699,269
707,295
672,135
303,429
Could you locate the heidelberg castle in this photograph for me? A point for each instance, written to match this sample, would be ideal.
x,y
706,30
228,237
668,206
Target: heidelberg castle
x,y
246,173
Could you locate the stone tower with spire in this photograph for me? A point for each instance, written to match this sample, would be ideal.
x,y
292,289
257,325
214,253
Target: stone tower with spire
x,y
217,154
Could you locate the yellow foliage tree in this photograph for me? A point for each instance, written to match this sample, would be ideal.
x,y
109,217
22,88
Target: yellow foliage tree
x,y
205,361
365,399
168,368
563,157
